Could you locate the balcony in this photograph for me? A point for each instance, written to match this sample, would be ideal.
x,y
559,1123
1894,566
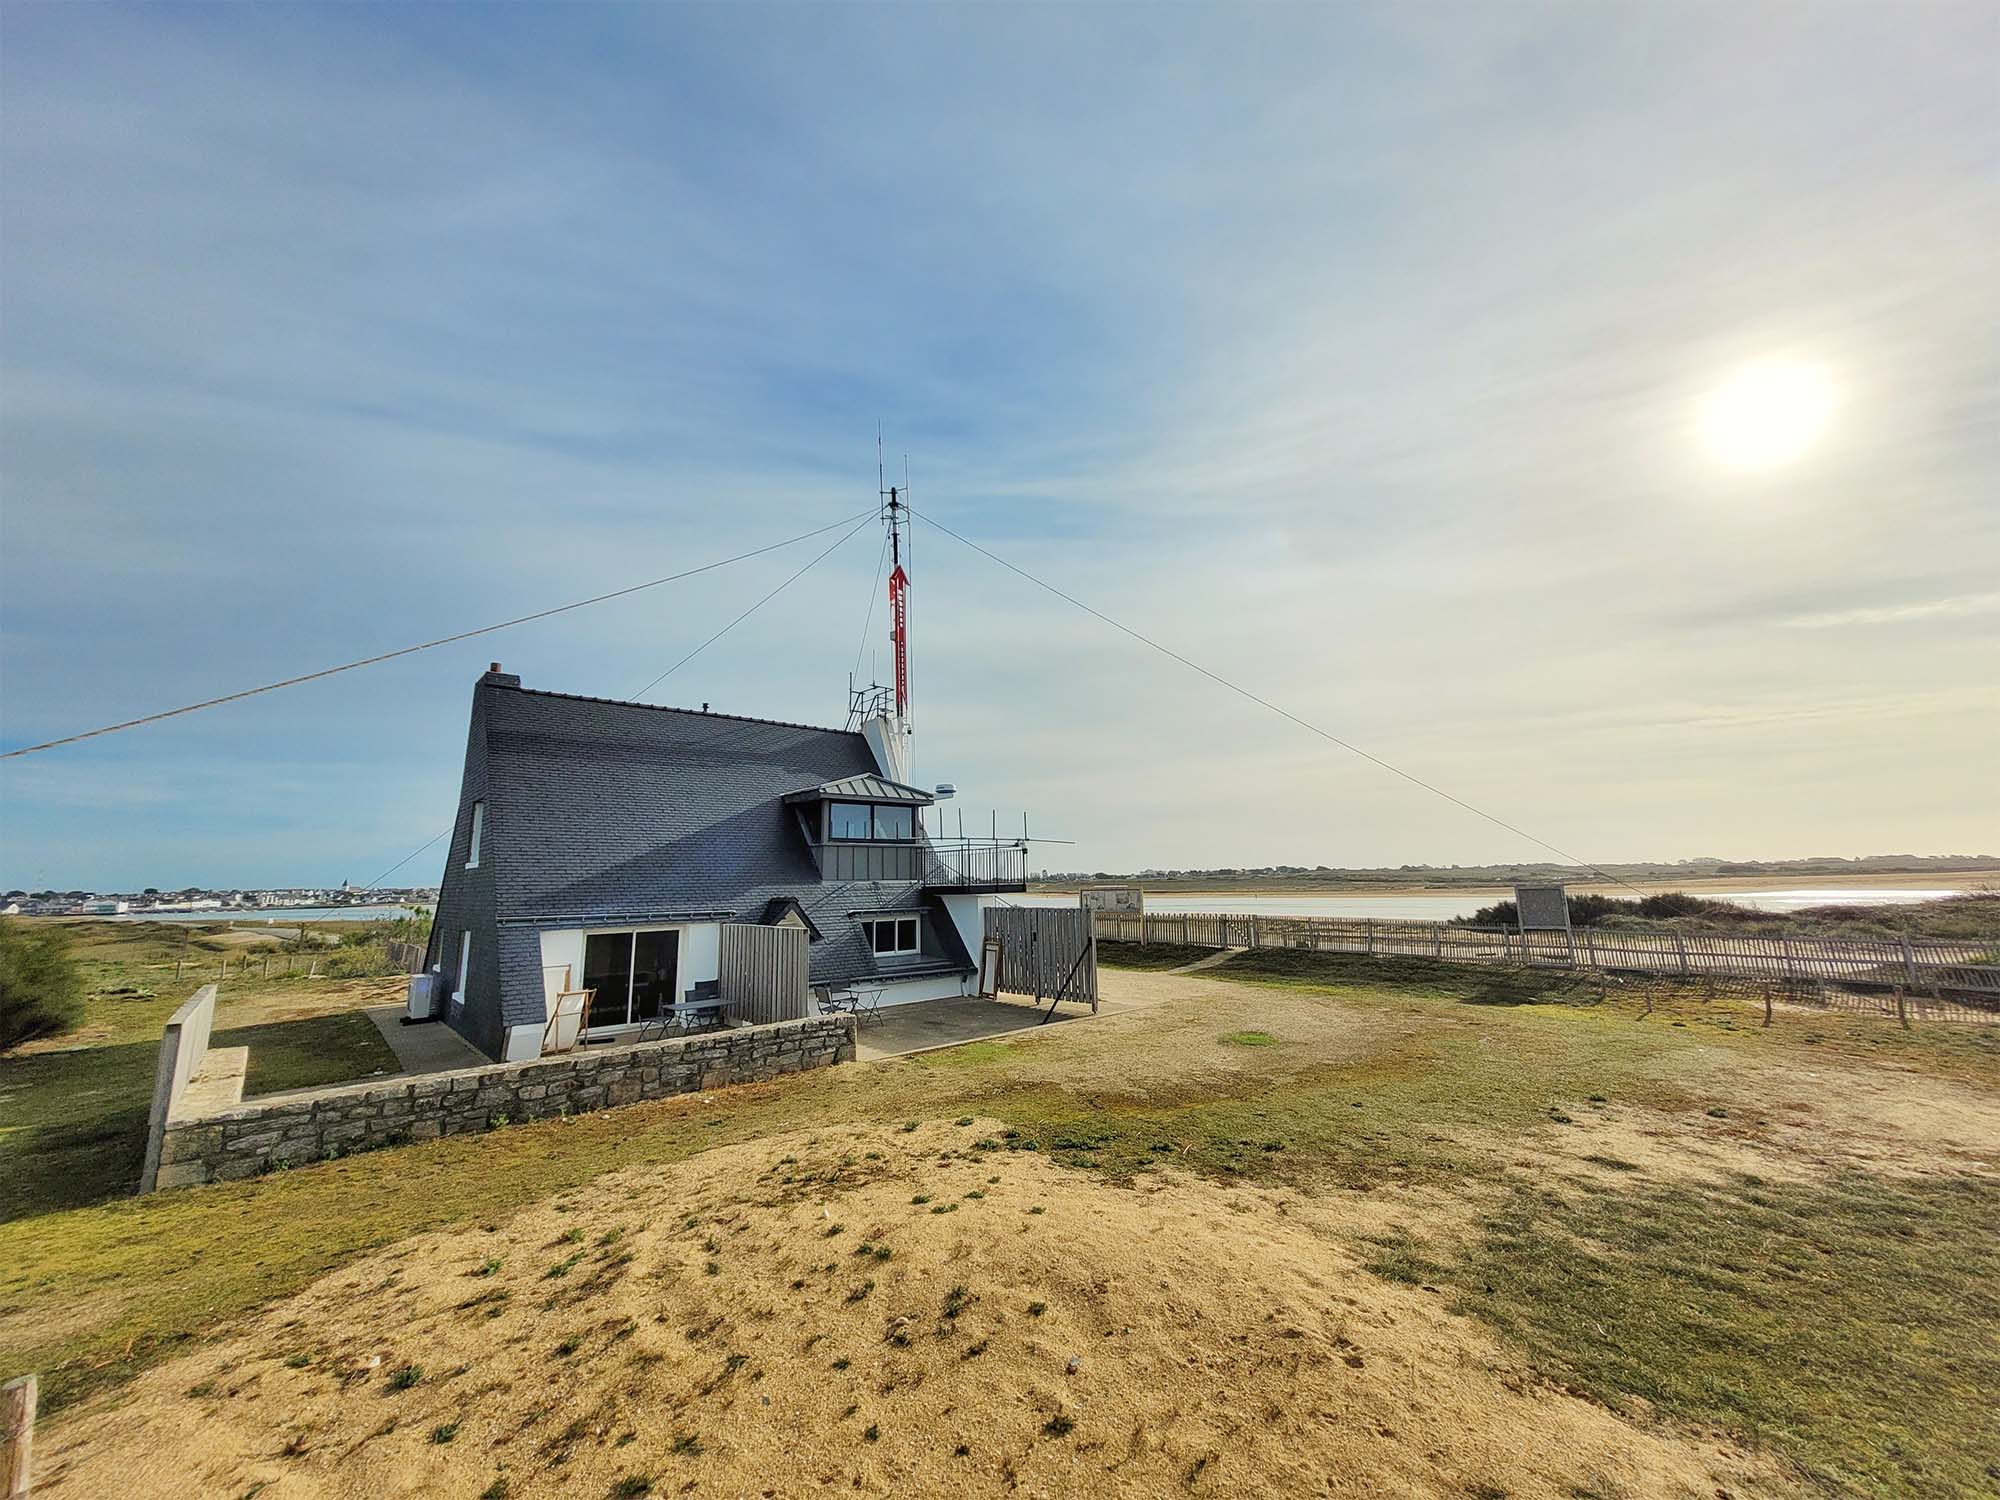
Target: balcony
x,y
977,865
960,865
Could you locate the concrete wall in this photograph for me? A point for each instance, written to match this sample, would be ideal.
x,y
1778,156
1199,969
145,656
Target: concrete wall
x,y
183,1046
293,1130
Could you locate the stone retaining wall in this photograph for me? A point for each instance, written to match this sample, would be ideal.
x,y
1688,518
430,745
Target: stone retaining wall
x,y
291,1130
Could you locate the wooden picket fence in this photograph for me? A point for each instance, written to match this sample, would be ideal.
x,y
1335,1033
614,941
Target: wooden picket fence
x,y
1919,965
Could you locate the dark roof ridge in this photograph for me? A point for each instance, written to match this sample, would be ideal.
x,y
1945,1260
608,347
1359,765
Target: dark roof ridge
x,y
667,708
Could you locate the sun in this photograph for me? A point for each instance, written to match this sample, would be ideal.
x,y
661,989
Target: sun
x,y
1767,415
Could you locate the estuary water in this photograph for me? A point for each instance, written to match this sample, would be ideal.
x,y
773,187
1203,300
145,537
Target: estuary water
x,y
1444,907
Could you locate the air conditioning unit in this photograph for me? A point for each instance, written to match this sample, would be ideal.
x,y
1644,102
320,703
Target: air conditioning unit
x,y
421,1006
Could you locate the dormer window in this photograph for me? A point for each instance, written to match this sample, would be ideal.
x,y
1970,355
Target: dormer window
x,y
889,936
863,820
849,820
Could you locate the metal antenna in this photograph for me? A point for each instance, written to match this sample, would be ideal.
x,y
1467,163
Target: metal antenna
x,y
913,563
895,510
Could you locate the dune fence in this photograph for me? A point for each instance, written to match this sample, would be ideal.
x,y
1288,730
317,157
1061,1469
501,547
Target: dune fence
x,y
1942,969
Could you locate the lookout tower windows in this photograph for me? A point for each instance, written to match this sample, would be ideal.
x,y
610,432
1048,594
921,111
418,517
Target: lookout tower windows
x,y
863,820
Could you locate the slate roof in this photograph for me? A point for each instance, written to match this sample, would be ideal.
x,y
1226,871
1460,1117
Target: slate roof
x,y
599,812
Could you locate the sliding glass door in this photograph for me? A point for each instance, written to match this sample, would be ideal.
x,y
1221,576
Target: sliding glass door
x,y
635,974
655,970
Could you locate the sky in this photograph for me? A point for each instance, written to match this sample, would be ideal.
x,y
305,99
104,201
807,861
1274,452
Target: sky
x,y
1357,353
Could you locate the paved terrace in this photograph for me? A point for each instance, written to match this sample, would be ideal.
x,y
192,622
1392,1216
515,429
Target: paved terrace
x,y
895,1032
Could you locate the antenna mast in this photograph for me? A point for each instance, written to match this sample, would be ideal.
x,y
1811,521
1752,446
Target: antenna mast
x,y
896,515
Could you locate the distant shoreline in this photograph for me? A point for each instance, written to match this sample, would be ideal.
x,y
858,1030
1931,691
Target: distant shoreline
x,y
1964,882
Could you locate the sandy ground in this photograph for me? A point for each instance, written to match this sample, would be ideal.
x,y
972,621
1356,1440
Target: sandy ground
x,y
719,1330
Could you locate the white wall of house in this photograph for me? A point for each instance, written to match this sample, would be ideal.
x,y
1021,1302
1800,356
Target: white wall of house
x,y
968,915
934,987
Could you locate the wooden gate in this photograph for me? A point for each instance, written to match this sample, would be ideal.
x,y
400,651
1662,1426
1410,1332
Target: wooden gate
x,y
1044,951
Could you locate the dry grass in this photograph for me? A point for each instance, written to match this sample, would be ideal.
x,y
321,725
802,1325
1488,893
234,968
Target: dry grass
x,y
1553,1198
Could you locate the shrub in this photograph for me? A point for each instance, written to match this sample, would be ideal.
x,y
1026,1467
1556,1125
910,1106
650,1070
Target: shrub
x,y
1590,911
41,988
368,961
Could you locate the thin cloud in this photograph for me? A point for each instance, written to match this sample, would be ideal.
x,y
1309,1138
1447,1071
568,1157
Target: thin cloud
x,y
1958,606
1352,353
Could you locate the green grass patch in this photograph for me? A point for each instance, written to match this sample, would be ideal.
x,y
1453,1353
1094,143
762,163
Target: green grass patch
x,y
72,1126
73,1121
1476,984
970,1054
1397,1258
309,1053
1854,1327
1250,1039
1150,955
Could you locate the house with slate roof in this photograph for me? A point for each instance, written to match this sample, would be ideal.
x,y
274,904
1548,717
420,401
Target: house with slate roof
x,y
602,845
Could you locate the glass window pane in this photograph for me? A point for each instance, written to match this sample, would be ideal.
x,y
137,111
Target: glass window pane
x,y
655,971
607,968
906,934
848,820
894,823
884,934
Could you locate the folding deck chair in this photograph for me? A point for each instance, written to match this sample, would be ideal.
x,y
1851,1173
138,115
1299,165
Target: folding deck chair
x,y
859,1001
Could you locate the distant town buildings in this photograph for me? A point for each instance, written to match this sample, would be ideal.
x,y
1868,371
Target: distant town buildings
x,y
21,903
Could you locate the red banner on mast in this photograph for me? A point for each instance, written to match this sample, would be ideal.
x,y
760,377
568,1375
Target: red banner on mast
x,y
899,583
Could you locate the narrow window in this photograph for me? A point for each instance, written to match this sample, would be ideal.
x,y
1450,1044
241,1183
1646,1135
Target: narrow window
x,y
464,969
478,827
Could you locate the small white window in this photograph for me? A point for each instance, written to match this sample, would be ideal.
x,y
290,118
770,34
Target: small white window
x,y
464,970
478,827
894,935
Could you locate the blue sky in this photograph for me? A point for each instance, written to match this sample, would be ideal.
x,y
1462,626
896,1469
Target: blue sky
x,y
1355,351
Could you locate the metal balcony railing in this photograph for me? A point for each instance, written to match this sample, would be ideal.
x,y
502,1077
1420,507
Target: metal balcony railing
x,y
976,862
953,863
